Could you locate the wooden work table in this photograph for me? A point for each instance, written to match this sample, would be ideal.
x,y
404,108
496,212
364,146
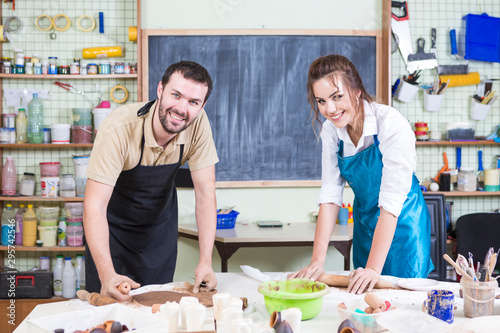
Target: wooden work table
x,y
228,241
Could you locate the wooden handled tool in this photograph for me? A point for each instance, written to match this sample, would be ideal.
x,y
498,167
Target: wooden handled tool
x,y
343,281
95,298
457,268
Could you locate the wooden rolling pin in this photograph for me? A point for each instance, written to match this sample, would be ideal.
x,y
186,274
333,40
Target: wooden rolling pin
x,y
95,298
343,281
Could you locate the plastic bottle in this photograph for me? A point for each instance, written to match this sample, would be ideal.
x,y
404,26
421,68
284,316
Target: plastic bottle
x,y
61,231
19,224
9,177
21,127
82,274
8,226
58,270
35,120
68,279
29,227
78,270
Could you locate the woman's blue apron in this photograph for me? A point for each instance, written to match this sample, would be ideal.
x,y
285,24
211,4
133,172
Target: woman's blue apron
x,y
410,252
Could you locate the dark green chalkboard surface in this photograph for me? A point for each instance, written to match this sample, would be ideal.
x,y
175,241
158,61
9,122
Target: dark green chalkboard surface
x,y
258,109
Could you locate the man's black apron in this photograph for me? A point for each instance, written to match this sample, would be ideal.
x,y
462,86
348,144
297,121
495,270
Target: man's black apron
x,y
142,217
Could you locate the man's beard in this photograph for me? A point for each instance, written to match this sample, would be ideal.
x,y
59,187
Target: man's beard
x,y
168,127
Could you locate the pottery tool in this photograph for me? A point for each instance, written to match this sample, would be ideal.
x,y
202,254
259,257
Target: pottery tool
x,y
433,42
376,303
74,90
444,168
457,267
421,60
343,281
401,29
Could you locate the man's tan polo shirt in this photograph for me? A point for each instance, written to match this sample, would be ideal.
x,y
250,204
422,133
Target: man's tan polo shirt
x,y
117,146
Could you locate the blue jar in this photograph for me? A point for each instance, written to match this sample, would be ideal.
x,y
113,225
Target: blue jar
x,y
19,69
104,68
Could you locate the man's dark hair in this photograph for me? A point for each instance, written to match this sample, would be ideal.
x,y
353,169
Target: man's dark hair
x,y
190,70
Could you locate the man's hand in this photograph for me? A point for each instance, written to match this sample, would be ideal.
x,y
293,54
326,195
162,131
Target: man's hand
x,y
205,279
361,279
313,271
109,287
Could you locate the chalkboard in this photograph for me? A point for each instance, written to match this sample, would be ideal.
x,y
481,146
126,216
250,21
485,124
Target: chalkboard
x,y
258,109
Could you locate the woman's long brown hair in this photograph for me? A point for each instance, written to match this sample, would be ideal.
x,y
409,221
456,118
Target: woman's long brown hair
x,y
337,67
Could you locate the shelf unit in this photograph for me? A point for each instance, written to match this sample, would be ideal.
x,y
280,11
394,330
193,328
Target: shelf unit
x,y
458,143
467,194
68,76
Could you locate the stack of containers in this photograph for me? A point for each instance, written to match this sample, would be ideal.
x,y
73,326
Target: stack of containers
x,y
82,126
49,179
49,218
421,131
74,219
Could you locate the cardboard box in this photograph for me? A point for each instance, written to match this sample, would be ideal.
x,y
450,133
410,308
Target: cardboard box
x,y
34,284
138,321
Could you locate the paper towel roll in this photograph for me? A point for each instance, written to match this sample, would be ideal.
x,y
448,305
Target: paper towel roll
x,y
461,79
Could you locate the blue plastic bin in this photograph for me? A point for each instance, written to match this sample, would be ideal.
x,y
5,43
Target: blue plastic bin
x,y
482,37
227,221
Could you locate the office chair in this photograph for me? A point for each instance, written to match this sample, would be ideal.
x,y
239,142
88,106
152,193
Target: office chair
x,y
437,209
476,233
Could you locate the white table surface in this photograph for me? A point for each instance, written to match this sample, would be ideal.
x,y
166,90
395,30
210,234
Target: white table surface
x,y
240,285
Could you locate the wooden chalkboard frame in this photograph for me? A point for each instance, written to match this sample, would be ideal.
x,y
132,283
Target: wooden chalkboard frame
x,y
381,78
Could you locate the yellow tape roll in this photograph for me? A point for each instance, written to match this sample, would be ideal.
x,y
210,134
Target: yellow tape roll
x,y
2,35
102,52
86,17
37,22
132,34
461,79
119,87
68,22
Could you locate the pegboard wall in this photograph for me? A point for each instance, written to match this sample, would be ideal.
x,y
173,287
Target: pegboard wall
x,y
456,106
67,45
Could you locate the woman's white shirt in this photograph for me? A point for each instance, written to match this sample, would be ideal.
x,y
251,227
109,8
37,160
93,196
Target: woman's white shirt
x,y
397,145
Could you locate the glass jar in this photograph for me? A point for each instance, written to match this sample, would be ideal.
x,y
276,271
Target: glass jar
x,y
6,67
19,59
74,68
92,69
27,184
35,58
64,69
45,68
4,135
38,68
104,68
29,68
52,65
68,186
119,68
133,68
126,68
74,233
466,180
19,69
83,69
27,60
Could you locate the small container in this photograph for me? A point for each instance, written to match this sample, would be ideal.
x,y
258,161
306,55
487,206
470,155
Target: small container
x,y
4,135
61,231
74,69
45,68
19,59
48,235
9,120
133,68
64,69
38,68
46,135
119,68
19,69
27,184
50,186
73,209
83,69
60,133
44,263
39,243
460,131
92,69
82,133
467,180
112,67
52,65
126,68
68,186
49,169
104,68
48,215
29,68
35,59
27,60
74,232
12,134
6,68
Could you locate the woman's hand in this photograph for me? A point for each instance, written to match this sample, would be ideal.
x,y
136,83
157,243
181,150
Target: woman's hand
x,y
313,271
361,279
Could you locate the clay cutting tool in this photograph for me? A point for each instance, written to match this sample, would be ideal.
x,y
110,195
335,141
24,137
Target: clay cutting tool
x,y
421,60
71,88
433,42
401,29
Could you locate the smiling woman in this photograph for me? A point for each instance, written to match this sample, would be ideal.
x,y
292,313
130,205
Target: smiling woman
x,y
372,147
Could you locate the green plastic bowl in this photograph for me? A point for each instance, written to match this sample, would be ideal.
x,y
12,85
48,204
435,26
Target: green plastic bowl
x,y
305,294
